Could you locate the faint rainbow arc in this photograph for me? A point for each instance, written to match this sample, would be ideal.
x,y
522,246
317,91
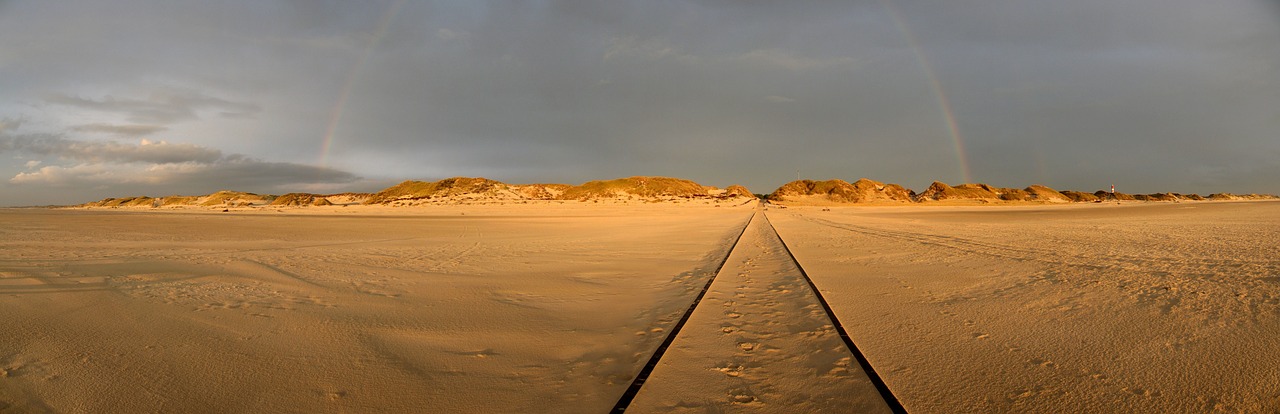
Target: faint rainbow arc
x,y
335,113
944,104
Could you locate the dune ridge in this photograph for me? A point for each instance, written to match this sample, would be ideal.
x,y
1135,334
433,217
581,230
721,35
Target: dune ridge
x,y
555,306
865,191
479,190
840,191
455,190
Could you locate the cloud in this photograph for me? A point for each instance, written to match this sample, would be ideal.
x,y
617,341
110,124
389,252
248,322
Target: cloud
x,y
632,47
445,33
231,172
158,152
161,106
255,172
242,173
83,174
773,58
158,165
790,61
1070,94
132,130
7,124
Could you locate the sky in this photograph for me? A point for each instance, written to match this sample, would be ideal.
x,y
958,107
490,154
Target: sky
x,y
110,98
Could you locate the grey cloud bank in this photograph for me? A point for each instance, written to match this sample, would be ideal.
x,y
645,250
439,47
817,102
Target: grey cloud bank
x,y
156,167
128,130
159,152
1169,95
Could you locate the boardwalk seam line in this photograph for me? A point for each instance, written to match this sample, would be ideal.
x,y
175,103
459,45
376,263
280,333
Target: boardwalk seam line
x,y
634,388
888,396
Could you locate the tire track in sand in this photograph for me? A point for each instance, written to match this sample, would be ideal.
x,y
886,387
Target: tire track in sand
x,y
766,341
1025,252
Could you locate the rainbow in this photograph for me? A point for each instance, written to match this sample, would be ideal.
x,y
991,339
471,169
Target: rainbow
x,y
335,114
944,104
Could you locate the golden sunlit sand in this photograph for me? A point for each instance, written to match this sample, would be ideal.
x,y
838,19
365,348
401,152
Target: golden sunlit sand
x,y
1131,308
245,206
555,307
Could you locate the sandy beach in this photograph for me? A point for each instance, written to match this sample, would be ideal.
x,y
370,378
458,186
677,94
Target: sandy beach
x,y
686,206
457,311
1085,308
1141,307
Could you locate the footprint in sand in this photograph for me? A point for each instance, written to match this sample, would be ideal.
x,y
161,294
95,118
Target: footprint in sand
x,y
1043,362
741,397
840,368
333,395
730,369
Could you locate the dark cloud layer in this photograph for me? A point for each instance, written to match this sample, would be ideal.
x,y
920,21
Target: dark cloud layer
x,y
154,152
1152,95
128,130
163,106
155,167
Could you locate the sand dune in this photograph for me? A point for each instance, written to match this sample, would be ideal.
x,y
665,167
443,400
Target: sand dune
x,y
452,191
839,191
477,191
864,191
